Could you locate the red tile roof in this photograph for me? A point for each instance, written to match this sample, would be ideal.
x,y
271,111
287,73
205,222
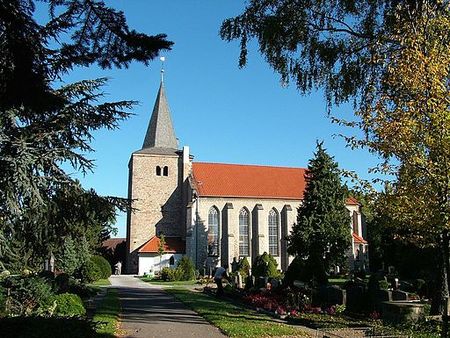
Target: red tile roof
x,y
358,239
238,180
173,245
352,201
111,243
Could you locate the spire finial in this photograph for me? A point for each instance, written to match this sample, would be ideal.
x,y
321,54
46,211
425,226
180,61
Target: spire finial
x,y
162,58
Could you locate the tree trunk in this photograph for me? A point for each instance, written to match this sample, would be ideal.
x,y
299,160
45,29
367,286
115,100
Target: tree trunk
x,y
445,271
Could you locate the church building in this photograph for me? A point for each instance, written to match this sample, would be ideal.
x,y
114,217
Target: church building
x,y
213,212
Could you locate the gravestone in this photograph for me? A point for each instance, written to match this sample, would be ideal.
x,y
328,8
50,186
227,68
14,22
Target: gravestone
x,y
336,295
383,296
275,283
399,295
239,281
355,298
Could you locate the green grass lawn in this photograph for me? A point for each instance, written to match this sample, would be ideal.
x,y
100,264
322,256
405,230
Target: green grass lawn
x,y
169,284
233,320
107,314
338,281
101,282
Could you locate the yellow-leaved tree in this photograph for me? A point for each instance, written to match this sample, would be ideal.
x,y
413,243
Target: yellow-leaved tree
x,y
409,126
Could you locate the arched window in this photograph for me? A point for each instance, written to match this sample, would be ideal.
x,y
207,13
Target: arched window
x,y
243,232
273,232
213,232
355,222
158,171
166,171
172,260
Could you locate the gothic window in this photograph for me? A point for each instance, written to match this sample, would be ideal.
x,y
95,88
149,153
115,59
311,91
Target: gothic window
x,y
243,233
158,171
355,222
273,232
166,171
172,260
213,232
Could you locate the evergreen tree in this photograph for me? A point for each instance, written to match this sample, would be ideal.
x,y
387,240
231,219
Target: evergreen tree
x,y
321,235
44,124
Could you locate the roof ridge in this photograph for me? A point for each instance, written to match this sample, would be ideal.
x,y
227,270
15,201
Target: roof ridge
x,y
251,165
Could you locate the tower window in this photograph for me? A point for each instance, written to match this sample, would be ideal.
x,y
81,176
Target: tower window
x,y
158,171
166,171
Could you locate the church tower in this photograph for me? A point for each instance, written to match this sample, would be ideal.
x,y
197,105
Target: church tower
x,y
156,184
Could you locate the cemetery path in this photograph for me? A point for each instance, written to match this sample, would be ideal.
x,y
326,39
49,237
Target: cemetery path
x,y
148,311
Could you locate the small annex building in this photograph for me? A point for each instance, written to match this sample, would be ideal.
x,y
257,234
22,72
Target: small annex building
x,y
150,260
213,212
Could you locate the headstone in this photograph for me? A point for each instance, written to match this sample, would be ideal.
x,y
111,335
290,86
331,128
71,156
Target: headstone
x,y
355,298
383,296
336,295
234,265
399,295
235,280
239,281
275,283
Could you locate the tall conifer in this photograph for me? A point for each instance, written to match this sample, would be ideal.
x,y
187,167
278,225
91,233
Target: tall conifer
x,y
321,236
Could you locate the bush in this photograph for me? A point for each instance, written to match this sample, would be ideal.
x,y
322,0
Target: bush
x,y
265,266
186,269
170,275
244,267
294,271
90,272
68,305
29,295
104,266
2,300
62,282
46,327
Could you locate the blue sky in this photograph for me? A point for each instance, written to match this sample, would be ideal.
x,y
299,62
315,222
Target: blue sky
x,y
225,114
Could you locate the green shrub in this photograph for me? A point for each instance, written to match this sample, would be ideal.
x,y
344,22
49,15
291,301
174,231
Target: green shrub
x,y
90,272
46,327
73,255
28,295
243,267
171,275
103,264
167,274
62,282
384,284
294,271
265,266
2,300
186,269
68,305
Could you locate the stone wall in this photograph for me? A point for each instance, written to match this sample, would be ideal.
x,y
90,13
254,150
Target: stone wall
x,y
157,201
229,209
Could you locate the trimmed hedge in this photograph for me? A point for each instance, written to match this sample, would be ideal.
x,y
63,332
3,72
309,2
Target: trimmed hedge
x,y
104,266
90,272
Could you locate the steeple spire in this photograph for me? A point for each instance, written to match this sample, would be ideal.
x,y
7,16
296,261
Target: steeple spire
x,y
160,132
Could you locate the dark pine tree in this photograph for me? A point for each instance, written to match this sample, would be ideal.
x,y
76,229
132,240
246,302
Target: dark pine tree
x,y
46,125
321,236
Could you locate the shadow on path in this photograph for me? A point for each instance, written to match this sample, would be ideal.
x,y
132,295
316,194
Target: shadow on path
x,y
148,311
